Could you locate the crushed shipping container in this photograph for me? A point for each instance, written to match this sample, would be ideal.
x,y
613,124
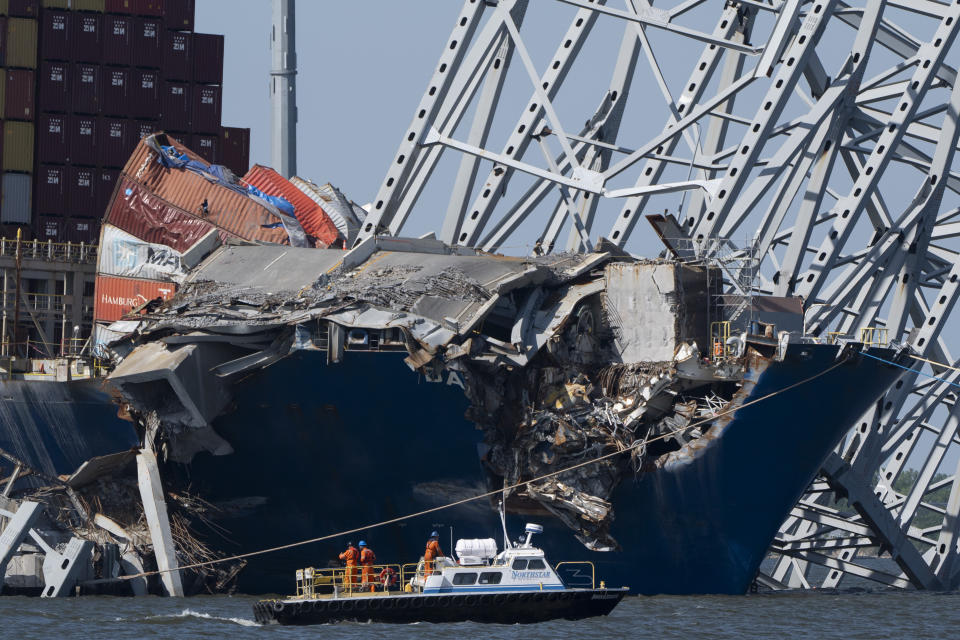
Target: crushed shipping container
x,y
123,254
225,207
311,216
145,216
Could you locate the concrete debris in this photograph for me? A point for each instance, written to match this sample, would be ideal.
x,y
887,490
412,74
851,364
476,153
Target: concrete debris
x,y
76,534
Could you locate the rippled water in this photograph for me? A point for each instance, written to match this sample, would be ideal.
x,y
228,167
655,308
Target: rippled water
x,y
869,615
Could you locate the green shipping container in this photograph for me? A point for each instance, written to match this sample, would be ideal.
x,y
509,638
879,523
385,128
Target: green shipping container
x,y
55,4
18,146
88,5
22,43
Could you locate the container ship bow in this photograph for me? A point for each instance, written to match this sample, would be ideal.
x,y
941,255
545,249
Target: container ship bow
x,y
302,390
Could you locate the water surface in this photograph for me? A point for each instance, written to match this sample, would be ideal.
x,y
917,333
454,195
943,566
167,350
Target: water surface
x,y
815,615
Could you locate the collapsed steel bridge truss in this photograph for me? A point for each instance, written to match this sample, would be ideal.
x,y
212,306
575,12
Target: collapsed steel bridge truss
x,y
822,132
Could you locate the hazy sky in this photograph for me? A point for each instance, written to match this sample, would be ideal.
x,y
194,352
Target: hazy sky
x,y
362,64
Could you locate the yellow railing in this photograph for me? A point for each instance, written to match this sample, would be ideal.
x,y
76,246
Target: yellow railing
x,y
37,349
719,334
833,336
346,581
80,253
584,563
874,336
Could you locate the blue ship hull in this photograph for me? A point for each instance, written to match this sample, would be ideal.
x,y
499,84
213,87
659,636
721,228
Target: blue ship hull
x,y
56,426
325,448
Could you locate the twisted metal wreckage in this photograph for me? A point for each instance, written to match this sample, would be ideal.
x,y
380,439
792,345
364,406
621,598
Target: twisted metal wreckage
x,y
562,357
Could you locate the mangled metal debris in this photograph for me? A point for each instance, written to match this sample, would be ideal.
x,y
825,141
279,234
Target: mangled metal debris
x,y
562,357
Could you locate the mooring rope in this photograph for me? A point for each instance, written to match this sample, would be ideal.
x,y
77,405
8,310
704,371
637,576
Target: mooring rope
x,y
954,384
481,496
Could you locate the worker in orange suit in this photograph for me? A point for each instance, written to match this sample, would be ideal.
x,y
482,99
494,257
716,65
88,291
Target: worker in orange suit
x,y
367,559
350,557
432,551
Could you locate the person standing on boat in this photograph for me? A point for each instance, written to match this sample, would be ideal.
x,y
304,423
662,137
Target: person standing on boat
x,y
433,551
367,559
350,558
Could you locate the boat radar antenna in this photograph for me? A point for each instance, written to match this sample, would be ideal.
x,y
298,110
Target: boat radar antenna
x,y
503,523
531,529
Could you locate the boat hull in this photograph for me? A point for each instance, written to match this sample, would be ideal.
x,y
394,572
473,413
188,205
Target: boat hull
x,y
499,608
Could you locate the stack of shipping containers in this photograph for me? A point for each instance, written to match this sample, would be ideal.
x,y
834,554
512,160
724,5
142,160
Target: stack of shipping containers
x,y
84,81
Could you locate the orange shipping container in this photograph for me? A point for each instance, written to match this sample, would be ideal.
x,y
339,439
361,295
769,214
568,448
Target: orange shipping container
x,y
312,218
115,297
225,208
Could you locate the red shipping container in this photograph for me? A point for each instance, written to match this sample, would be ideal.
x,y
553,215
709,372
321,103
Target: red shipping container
x,y
145,42
179,14
175,106
51,186
143,98
116,85
19,96
55,37
82,191
117,38
52,139
207,147
87,88
137,211
54,87
207,109
207,58
115,297
50,228
82,230
312,217
235,149
23,8
106,181
115,144
177,61
87,37
143,128
82,138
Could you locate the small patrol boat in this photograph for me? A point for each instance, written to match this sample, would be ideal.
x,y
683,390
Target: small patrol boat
x,y
516,585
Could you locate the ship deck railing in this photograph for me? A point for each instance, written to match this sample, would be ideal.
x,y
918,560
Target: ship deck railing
x,y
72,252
342,582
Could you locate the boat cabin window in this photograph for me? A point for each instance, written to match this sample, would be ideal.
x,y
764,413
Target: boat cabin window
x,y
491,577
464,578
536,563
520,564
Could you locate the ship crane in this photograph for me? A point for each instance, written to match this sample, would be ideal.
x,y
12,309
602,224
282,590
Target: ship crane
x,y
822,134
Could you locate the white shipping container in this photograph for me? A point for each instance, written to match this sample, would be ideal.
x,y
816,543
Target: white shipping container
x,y
125,255
15,205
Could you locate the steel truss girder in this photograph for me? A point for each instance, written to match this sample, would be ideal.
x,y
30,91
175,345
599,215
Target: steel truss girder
x,y
805,144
